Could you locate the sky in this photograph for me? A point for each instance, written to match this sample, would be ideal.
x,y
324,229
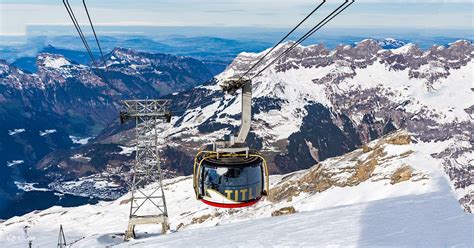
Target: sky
x,y
17,15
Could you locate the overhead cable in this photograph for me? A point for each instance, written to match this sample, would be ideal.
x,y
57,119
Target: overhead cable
x,y
313,30
283,39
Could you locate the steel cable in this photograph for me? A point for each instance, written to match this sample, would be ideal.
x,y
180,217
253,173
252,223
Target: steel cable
x,y
286,36
313,30
93,30
79,30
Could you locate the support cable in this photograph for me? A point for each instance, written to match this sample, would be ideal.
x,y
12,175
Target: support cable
x,y
313,30
79,30
286,36
93,30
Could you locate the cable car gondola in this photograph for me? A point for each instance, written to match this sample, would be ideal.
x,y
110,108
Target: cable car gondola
x,y
230,180
232,175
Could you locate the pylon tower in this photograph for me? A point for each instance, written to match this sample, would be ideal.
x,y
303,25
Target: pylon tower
x,y
146,207
61,238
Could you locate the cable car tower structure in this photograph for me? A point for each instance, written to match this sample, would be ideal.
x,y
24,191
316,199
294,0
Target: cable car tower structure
x,y
146,207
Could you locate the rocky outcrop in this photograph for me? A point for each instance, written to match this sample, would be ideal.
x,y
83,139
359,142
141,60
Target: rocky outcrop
x,y
402,174
284,211
370,164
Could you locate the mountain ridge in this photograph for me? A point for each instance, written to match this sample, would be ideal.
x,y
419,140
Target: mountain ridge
x,y
314,105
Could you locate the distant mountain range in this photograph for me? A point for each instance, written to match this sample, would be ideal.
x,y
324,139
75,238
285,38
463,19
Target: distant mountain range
x,y
315,104
64,102
203,46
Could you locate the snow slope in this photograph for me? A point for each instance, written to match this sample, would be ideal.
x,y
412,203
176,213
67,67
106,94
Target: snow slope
x,y
416,221
380,209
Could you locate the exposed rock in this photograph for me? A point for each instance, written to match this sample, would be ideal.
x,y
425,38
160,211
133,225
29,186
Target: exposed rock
x,y
203,218
284,211
180,225
363,172
468,202
401,175
404,139
126,201
352,169
366,148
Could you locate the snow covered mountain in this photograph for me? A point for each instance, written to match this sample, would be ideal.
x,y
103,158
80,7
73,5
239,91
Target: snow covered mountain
x,y
63,104
318,103
391,192
315,104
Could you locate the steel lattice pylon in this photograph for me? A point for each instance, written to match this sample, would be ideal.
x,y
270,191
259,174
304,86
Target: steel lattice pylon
x,y
146,207
61,238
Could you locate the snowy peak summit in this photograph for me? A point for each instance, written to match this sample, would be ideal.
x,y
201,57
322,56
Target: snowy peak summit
x,y
53,61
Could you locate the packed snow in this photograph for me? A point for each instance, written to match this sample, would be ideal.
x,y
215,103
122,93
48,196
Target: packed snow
x,y
127,150
422,211
404,49
54,62
29,187
47,131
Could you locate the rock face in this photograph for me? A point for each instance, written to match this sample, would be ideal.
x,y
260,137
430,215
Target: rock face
x,y
401,175
386,161
165,74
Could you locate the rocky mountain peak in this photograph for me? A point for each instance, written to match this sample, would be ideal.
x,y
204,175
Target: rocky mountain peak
x,y
369,44
56,68
52,61
18,79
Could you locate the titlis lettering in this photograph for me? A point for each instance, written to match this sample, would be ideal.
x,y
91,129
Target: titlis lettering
x,y
245,194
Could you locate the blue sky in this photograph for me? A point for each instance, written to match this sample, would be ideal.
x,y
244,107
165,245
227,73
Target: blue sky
x,y
16,15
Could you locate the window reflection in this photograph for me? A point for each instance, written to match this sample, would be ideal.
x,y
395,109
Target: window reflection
x,y
237,184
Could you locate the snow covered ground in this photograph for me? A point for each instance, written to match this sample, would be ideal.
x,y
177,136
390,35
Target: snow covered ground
x,y
427,220
420,211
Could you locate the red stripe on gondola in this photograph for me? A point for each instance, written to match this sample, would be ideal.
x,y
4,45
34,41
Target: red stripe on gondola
x,y
231,205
